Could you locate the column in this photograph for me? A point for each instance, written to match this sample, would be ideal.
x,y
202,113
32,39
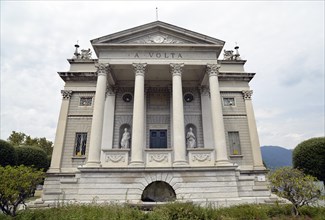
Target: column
x,y
178,116
98,117
206,117
138,116
108,124
255,143
217,116
60,132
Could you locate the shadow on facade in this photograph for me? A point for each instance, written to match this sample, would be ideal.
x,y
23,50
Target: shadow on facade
x,y
158,191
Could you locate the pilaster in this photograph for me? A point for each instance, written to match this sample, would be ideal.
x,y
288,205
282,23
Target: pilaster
x,y
178,116
255,143
60,132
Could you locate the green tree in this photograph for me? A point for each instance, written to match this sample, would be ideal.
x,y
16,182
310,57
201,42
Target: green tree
x,y
292,184
309,156
8,154
17,138
32,156
16,185
21,139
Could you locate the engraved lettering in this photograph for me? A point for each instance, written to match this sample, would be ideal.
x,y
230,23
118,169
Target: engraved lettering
x,y
172,55
151,54
166,56
136,55
158,55
179,56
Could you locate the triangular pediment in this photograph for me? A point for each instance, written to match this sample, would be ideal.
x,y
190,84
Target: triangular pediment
x,y
157,33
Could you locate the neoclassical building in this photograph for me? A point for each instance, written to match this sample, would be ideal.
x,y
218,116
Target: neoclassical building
x,y
157,117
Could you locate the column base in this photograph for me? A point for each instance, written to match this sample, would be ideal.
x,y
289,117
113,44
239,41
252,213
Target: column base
x,y
136,164
180,164
224,163
93,164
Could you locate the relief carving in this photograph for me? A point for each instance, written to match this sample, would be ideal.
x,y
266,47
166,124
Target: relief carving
x,y
158,158
247,94
158,39
201,157
66,94
115,158
176,69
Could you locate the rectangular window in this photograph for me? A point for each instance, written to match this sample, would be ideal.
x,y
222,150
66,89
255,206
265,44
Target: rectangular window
x,y
85,101
80,144
234,143
158,138
228,101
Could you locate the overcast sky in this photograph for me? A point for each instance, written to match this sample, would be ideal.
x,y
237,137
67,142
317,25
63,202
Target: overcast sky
x,y
283,43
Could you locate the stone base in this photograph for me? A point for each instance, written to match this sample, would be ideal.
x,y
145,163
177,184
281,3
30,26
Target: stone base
x,y
217,186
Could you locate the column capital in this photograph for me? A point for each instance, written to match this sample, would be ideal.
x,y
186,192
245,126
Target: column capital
x,y
139,68
213,69
110,90
66,94
247,94
102,68
176,69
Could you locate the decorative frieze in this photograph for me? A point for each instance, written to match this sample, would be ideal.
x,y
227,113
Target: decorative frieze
x,y
158,158
115,158
66,94
158,39
201,157
247,94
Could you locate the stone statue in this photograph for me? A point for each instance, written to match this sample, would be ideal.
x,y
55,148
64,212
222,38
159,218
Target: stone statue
x,y
85,54
228,54
190,139
125,141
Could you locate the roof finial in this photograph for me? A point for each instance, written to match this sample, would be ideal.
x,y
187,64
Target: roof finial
x,y
237,55
76,52
156,13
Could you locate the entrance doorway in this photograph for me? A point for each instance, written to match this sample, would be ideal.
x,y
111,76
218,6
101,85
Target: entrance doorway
x,y
158,191
158,138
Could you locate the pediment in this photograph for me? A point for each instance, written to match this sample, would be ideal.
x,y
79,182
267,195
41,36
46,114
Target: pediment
x,y
157,33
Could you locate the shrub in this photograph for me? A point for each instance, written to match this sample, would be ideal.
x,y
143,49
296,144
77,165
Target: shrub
x,y
8,154
309,156
32,156
295,186
16,185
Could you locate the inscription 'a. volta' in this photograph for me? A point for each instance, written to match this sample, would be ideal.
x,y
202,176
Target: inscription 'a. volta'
x,y
159,55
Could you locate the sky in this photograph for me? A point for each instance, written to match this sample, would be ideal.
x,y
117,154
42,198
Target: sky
x,y
282,41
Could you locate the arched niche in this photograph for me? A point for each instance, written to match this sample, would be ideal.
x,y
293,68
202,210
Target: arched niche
x,y
122,127
188,127
158,191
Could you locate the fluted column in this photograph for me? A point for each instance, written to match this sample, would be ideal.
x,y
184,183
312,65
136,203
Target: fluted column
x,y
217,116
255,143
178,115
98,117
138,116
60,132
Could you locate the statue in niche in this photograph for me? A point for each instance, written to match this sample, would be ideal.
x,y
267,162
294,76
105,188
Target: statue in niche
x,y
190,139
125,141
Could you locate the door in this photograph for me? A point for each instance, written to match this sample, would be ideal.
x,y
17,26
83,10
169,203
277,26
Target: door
x,y
158,138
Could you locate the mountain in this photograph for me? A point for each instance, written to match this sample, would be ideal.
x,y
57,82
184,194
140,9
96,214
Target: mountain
x,y
275,156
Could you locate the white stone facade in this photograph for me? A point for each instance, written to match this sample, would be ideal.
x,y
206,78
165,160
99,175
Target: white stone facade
x,y
157,82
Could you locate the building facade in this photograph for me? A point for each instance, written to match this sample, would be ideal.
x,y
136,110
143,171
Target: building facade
x,y
157,117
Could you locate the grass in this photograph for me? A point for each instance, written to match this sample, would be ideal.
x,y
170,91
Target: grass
x,y
171,211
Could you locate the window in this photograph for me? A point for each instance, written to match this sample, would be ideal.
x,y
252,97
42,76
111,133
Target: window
x,y
127,97
85,101
80,144
234,143
158,138
228,101
188,97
